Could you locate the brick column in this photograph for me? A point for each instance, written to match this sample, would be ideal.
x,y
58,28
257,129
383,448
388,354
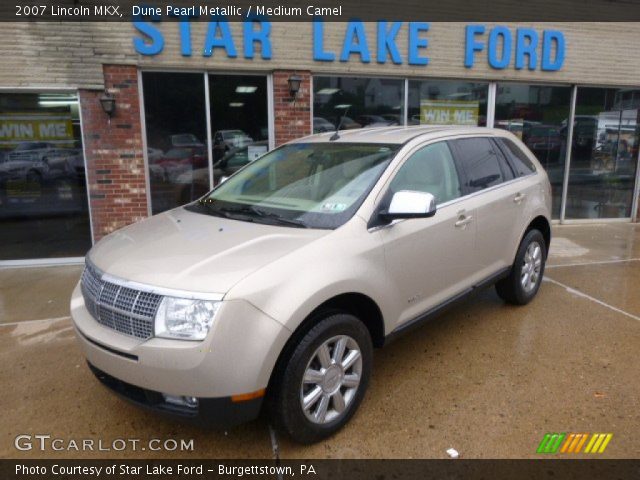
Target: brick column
x,y
292,120
114,164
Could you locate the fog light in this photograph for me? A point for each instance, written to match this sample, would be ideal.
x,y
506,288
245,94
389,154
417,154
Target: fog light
x,y
181,401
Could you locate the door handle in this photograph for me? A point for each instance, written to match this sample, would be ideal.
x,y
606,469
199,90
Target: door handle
x,y
463,220
519,197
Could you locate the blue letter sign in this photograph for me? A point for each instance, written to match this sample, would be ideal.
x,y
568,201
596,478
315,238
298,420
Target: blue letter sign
x,y
501,54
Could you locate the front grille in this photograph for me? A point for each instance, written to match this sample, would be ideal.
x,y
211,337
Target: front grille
x,y
123,309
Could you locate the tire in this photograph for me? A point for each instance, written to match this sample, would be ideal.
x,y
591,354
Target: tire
x,y
287,391
521,286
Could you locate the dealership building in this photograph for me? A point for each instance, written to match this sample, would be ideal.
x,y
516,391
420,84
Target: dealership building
x,y
104,124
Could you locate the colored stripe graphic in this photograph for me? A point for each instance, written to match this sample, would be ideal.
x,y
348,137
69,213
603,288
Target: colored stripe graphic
x,y
598,442
573,443
551,442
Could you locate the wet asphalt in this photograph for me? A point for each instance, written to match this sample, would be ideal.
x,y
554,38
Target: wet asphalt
x,y
486,379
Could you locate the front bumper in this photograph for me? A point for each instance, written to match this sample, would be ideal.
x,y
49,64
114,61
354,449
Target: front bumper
x,y
236,358
209,412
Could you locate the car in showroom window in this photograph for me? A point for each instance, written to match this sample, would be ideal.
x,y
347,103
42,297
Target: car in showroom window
x,y
271,291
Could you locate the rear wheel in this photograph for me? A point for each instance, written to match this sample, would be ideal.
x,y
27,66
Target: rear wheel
x,y
525,277
320,385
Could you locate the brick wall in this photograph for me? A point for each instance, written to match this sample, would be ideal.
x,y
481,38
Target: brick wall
x,y
292,119
114,157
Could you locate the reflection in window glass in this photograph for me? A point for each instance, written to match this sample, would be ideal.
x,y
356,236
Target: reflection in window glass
x,y
538,114
359,102
176,138
43,195
431,170
447,103
239,121
604,153
314,184
480,163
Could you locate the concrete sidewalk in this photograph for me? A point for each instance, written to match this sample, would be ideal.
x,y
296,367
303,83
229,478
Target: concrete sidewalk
x,y
486,379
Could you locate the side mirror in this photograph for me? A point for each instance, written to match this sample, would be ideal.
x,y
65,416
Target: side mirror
x,y
410,204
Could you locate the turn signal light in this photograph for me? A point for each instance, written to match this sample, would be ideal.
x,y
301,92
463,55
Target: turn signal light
x,y
243,397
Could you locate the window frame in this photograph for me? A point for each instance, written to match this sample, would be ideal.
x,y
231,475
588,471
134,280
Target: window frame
x,y
505,164
502,143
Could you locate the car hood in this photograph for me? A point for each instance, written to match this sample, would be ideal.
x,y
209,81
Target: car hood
x,y
190,251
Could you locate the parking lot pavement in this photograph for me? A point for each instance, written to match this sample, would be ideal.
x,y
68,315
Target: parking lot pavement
x,y
607,243
36,293
486,379
52,392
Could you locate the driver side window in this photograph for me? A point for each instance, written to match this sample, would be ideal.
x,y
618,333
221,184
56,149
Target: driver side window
x,y
431,170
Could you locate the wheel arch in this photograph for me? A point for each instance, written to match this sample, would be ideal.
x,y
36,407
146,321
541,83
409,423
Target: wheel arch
x,y
357,304
542,224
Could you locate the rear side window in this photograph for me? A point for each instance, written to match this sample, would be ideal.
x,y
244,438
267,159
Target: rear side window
x,y
480,163
516,157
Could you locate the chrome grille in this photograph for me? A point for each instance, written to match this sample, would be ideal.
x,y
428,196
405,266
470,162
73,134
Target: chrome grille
x,y
123,309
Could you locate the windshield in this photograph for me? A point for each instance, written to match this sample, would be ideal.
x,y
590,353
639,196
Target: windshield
x,y
313,185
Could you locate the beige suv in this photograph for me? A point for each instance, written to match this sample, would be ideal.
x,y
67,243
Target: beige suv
x,y
273,289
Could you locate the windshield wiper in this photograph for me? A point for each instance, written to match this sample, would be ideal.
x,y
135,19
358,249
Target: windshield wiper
x,y
255,212
218,212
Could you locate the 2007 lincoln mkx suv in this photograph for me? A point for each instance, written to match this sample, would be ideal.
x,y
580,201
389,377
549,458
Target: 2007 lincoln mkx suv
x,y
273,289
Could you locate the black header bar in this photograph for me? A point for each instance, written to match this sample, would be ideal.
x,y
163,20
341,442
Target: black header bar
x,y
329,10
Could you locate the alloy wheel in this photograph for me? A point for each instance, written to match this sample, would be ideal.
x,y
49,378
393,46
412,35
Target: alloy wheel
x,y
331,379
531,267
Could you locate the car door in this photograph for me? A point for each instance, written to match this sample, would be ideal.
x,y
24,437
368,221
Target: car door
x,y
498,201
429,260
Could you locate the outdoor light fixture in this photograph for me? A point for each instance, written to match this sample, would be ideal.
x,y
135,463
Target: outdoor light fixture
x,y
108,103
294,85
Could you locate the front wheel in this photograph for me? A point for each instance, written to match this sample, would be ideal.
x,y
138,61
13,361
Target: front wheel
x,y
320,385
525,277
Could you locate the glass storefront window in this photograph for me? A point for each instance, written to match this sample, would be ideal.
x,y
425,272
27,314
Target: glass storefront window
x,y
43,194
356,102
538,114
176,121
443,102
176,137
239,121
604,153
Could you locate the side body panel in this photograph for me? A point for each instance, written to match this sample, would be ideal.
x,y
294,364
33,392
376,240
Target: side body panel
x,y
428,260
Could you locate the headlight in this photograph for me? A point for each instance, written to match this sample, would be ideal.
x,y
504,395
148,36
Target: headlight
x,y
184,318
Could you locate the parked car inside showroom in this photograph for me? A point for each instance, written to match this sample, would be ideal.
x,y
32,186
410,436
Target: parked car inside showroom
x,y
225,140
37,161
195,183
271,291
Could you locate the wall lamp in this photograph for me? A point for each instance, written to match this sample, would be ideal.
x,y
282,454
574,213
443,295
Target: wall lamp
x,y
108,103
294,85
